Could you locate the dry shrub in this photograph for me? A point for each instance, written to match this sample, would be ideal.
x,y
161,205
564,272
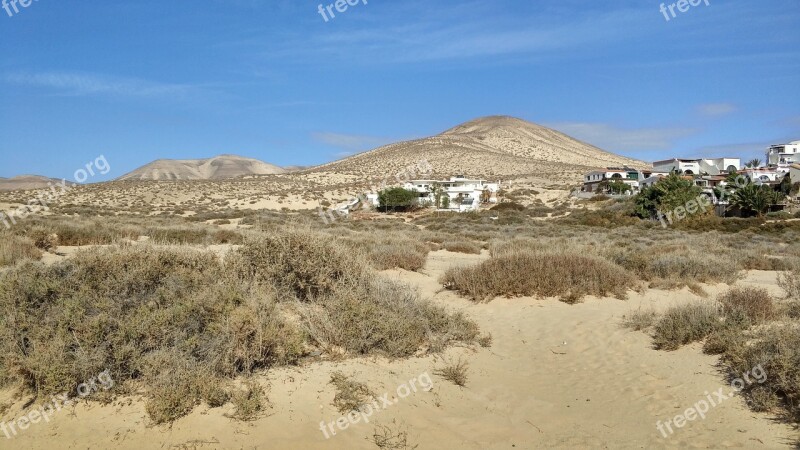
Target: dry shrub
x,y
43,239
383,317
790,282
392,437
249,401
455,372
753,303
15,248
462,246
303,263
777,350
674,267
172,320
525,273
640,319
350,395
681,325
397,256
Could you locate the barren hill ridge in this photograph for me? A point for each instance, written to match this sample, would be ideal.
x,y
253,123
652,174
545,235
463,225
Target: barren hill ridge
x,y
216,168
495,146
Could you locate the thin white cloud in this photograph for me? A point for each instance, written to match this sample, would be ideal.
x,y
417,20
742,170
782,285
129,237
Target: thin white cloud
x,y
716,109
612,138
69,83
349,142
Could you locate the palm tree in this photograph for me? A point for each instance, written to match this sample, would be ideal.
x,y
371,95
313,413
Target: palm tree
x,y
755,199
753,163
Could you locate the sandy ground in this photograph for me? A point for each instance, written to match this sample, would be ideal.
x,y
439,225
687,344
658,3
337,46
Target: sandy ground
x,y
556,376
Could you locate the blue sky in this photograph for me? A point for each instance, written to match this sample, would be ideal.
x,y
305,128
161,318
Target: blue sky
x,y
141,80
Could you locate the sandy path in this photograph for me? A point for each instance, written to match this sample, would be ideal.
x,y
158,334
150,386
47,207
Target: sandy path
x,y
556,376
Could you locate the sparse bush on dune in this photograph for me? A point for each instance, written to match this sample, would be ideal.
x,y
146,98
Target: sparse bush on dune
x,y
180,325
790,282
16,248
754,304
681,325
522,273
776,349
461,246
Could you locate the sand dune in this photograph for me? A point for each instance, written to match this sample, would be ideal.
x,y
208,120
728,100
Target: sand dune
x,y
556,376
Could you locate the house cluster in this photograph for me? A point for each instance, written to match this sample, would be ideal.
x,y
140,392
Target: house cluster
x,y
456,194
707,173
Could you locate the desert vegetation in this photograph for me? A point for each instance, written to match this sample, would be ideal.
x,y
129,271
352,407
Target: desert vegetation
x,y
183,325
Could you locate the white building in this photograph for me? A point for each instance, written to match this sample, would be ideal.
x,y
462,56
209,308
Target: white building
x,y
464,194
592,180
784,154
710,166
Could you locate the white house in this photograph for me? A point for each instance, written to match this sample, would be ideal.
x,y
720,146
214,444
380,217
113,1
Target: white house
x,y
710,166
784,154
627,175
763,175
464,194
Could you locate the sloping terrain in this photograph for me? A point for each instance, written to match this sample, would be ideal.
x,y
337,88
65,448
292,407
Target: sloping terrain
x,y
490,147
216,168
26,182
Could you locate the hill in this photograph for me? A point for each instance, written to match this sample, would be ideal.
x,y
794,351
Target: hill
x,y
491,147
217,168
27,182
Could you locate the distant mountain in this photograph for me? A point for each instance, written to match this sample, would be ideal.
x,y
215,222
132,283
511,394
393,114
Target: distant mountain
x,y
216,168
490,147
27,182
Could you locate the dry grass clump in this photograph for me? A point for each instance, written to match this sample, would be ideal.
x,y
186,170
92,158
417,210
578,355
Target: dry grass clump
x,y
461,246
674,266
640,319
350,395
523,273
392,437
16,248
776,349
249,401
342,303
790,282
455,372
181,325
173,321
391,251
681,325
754,304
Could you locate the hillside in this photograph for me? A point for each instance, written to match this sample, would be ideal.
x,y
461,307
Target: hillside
x,y
491,147
26,182
216,168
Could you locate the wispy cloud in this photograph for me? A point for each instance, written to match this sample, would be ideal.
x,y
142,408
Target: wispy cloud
x,y
351,143
473,30
80,84
716,109
612,138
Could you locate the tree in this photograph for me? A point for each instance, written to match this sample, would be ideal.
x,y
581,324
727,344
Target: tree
x,y
666,195
618,187
786,185
755,199
437,190
445,201
397,198
486,195
753,163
